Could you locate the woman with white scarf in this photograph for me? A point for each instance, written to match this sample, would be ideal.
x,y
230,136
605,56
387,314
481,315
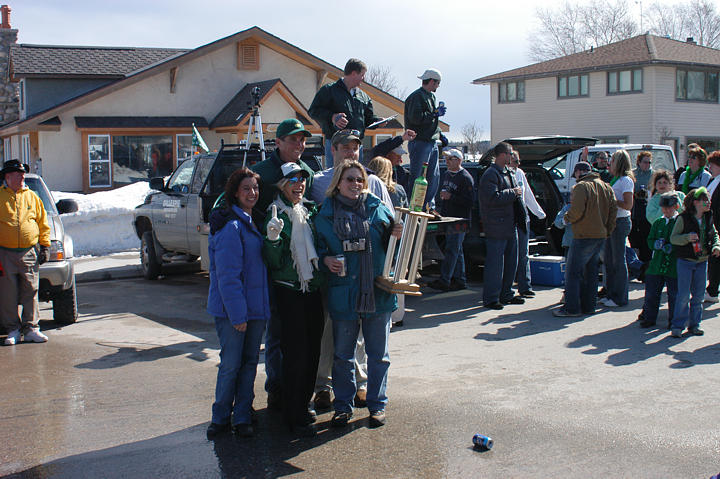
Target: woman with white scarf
x,y
291,259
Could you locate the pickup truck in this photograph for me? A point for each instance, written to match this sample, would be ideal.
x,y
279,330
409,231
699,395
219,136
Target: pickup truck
x,y
172,222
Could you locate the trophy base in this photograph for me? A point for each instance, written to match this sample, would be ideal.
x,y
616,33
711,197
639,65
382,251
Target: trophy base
x,y
402,287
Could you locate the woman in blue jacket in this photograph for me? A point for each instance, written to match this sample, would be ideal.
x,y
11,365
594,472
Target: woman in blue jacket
x,y
356,224
238,299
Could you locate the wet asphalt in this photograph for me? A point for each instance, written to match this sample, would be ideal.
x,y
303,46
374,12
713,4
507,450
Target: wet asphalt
x,y
126,392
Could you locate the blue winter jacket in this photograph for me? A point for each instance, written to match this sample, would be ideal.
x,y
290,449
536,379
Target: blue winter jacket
x,y
343,291
238,278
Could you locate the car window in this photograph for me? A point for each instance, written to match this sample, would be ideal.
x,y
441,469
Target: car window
x,y
203,167
662,159
180,181
41,190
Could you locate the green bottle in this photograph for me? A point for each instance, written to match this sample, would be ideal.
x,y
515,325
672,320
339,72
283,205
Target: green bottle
x,y
417,199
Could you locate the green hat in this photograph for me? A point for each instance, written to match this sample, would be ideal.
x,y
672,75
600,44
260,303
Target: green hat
x,y
290,127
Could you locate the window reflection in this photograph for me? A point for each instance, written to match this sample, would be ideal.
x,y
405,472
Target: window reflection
x,y
138,158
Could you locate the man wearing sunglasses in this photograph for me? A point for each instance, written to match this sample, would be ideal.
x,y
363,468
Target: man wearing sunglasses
x,y
343,105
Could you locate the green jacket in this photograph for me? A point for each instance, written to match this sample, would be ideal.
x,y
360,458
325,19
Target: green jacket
x,y
278,258
662,262
335,98
270,173
420,115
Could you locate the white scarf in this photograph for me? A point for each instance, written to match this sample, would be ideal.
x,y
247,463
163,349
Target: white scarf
x,y
302,248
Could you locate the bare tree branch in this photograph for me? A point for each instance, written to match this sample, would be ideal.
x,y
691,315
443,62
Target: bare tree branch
x,y
471,134
697,18
666,20
381,77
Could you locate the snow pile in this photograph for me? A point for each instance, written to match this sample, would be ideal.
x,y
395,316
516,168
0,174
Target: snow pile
x,y
103,222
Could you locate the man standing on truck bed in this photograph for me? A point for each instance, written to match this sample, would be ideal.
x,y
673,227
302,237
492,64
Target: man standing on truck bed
x,y
422,116
343,105
290,144
24,246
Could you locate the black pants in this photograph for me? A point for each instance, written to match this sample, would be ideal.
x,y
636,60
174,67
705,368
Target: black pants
x,y
713,275
640,231
302,319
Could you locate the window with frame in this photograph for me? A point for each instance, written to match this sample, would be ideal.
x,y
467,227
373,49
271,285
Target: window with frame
x,y
571,86
25,149
99,161
625,81
184,147
513,91
696,85
7,149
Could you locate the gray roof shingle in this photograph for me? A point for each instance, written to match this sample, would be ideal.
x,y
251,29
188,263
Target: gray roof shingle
x,y
642,49
78,61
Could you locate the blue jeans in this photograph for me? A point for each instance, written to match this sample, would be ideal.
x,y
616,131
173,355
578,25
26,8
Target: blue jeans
x,y
422,152
653,291
500,267
582,275
615,264
329,160
523,267
691,292
376,331
453,266
239,356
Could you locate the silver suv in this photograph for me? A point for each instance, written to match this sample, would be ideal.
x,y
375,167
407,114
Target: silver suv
x,y
57,276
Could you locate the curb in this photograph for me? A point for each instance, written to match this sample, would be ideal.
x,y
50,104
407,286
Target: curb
x,y
123,272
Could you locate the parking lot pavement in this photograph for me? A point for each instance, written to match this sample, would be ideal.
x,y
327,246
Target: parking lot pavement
x,y
126,392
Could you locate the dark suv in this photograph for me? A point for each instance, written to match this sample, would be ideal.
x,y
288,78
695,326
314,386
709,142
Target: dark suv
x,y
534,151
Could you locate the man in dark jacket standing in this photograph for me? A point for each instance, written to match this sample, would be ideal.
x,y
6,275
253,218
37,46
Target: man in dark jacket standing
x,y
422,116
502,211
343,105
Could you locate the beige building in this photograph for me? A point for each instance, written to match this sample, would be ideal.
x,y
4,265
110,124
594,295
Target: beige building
x,y
646,89
94,118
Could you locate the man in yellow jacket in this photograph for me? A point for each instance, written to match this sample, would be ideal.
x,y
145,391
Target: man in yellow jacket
x,y
24,246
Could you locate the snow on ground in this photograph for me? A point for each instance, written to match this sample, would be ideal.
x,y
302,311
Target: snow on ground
x,y
103,222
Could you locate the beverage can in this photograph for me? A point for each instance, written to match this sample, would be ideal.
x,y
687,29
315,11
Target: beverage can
x,y
482,442
341,258
441,104
697,247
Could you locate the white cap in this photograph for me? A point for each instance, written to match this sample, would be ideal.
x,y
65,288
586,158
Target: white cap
x,y
431,74
291,168
455,153
399,150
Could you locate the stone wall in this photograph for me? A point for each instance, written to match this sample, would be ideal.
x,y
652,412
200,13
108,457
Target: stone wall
x,y
9,92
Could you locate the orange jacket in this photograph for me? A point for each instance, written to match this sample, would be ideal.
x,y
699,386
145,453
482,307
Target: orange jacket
x,y
23,220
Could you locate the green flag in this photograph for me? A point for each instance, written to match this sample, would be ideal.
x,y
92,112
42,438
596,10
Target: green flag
x,y
198,141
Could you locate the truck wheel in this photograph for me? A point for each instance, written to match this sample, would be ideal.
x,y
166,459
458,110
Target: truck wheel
x,y
148,258
65,306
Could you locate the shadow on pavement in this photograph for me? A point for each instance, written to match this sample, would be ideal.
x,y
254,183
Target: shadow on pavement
x,y
187,453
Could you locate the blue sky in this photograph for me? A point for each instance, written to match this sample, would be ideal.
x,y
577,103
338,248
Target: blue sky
x,y
463,39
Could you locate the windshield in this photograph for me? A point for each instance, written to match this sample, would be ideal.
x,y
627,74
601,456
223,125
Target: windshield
x,y
41,190
661,159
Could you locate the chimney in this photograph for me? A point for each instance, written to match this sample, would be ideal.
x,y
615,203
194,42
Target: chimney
x,y
5,10
691,40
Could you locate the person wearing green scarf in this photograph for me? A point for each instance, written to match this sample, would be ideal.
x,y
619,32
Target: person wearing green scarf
x,y
695,175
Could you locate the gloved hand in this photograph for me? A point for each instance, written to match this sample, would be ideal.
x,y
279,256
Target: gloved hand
x,y
275,225
43,254
441,110
444,142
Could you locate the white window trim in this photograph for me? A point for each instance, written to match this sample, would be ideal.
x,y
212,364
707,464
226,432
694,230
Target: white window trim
x,y
25,149
7,149
109,161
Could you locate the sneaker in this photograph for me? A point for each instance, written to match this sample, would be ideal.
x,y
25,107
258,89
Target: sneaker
x,y
322,400
563,313
361,398
214,430
495,305
340,419
710,299
645,323
602,293
695,331
35,336
243,430
440,285
377,419
513,300
676,333
13,338
527,294
397,324
609,303
456,285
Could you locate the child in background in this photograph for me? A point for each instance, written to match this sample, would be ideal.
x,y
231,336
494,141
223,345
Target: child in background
x,y
694,238
662,269
660,182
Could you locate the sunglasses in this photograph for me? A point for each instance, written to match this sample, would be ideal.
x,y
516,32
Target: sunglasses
x,y
295,179
350,132
354,179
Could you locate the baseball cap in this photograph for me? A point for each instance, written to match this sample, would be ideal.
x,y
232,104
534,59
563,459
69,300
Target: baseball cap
x,y
454,152
290,127
291,169
345,136
669,199
582,166
431,74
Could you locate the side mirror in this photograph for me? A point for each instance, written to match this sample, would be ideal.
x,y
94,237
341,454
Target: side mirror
x,y
157,183
66,206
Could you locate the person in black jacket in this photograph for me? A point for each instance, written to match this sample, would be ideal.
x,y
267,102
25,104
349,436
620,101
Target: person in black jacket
x,y
343,105
456,193
393,150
